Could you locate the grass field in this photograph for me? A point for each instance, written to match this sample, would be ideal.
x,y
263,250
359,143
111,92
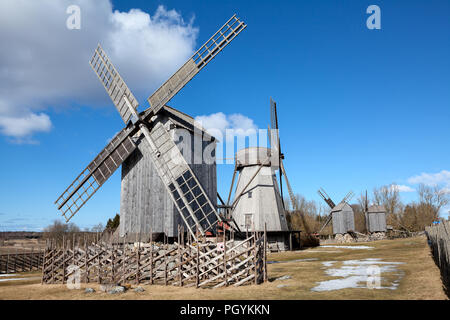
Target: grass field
x,y
407,272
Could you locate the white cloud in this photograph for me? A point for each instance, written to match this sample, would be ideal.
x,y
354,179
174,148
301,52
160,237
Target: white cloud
x,y
22,127
45,65
229,126
402,188
432,179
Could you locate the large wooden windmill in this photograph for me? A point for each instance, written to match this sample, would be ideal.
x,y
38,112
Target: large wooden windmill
x,y
150,133
341,215
258,200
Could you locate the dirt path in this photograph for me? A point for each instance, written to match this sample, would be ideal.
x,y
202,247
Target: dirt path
x,y
405,267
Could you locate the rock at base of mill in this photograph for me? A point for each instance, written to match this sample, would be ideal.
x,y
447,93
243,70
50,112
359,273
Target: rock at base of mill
x,y
116,289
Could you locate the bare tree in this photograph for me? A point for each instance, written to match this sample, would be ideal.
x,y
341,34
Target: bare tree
x,y
98,228
433,196
363,201
388,196
58,231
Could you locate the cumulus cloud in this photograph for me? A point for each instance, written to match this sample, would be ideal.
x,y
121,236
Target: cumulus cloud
x,y
402,188
432,179
45,65
22,127
222,125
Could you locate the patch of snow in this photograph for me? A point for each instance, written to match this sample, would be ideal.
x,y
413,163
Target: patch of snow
x,y
283,278
355,274
16,279
328,263
347,247
297,260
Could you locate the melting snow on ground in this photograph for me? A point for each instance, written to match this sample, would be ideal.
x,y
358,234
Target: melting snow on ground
x,y
16,279
297,260
360,274
348,247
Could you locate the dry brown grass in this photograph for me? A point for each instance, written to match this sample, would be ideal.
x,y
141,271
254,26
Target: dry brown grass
x,y
421,278
21,245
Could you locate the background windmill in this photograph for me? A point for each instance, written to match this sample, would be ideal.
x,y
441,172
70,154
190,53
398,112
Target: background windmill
x,y
279,157
341,215
375,219
181,184
258,200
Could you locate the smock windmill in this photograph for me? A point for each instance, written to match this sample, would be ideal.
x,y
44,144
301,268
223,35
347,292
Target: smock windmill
x,y
341,214
258,200
148,133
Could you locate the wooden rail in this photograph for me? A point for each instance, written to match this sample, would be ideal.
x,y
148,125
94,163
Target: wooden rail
x,y
206,264
439,241
16,262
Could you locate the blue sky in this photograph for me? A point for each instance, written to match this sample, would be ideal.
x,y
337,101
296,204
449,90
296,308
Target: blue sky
x,y
358,108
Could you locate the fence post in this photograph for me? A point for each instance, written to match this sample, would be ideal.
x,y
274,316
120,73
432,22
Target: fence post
x,y
197,267
43,261
151,255
165,264
138,260
64,259
7,263
86,269
225,256
265,252
98,261
15,262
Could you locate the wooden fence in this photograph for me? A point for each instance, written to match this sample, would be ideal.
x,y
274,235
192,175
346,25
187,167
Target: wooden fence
x,y
439,240
21,261
206,264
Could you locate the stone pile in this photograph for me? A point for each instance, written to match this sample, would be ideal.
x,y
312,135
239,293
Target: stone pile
x,y
344,238
377,236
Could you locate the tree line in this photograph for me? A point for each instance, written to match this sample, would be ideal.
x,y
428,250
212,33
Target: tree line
x,y
59,231
411,217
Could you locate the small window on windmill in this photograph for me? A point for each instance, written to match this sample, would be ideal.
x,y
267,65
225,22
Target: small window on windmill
x,y
248,221
249,194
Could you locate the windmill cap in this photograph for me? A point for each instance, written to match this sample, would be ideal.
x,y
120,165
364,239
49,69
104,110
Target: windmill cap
x,y
253,156
375,208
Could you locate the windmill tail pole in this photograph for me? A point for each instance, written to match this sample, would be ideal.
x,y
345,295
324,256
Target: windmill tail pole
x,y
294,203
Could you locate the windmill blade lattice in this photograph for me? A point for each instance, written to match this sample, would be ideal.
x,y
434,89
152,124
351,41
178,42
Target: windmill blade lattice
x,y
96,173
198,61
113,83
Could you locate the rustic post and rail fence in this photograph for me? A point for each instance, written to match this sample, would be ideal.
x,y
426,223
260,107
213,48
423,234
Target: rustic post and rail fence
x,y
439,241
15,261
208,263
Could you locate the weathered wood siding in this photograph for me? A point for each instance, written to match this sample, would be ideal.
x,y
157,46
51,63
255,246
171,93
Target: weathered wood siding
x,y
376,221
145,204
343,219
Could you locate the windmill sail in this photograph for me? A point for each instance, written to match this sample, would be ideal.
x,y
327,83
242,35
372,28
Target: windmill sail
x,y
113,83
293,200
96,173
331,204
187,194
190,199
274,136
326,198
197,62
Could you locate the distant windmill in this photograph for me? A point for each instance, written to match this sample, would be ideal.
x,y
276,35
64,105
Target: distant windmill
x,y
375,217
341,214
181,185
258,198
